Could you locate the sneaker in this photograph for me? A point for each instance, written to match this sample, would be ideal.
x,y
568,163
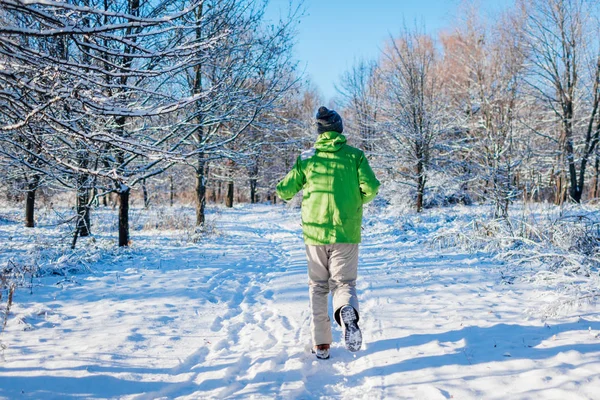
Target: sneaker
x,y
352,334
321,351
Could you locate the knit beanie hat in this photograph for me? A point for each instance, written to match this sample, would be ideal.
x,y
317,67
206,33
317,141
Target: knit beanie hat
x,y
328,120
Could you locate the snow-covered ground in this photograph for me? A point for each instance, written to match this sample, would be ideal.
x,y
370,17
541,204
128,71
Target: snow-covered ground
x,y
227,317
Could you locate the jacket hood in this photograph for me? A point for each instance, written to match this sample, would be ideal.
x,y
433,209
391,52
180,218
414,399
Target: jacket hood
x,y
330,141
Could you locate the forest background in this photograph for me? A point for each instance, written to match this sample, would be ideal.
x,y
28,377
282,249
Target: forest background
x,y
142,104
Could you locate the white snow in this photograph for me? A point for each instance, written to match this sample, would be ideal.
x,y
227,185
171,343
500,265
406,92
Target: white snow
x,y
227,317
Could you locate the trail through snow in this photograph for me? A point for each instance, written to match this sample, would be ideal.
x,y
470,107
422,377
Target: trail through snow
x,y
228,318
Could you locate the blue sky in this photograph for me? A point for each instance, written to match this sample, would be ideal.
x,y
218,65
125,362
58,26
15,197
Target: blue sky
x,y
335,33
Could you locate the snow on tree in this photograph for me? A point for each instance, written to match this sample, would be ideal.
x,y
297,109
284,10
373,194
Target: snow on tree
x,y
110,94
562,49
413,117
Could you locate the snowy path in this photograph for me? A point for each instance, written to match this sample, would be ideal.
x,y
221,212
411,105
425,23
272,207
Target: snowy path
x,y
228,318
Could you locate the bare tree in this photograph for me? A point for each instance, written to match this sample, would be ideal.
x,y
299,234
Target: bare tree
x,y
483,67
240,81
413,105
109,97
277,137
563,53
362,101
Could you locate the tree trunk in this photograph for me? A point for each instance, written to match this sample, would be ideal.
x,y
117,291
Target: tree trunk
x,y
229,198
82,227
420,196
145,192
74,241
83,208
30,204
574,189
253,191
575,193
171,190
596,176
124,217
420,186
83,213
557,188
83,196
94,196
196,88
213,194
200,192
561,189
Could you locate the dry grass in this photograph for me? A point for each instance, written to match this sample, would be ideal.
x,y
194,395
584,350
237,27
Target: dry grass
x,y
8,286
169,218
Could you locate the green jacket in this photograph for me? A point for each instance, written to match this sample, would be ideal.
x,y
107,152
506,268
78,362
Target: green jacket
x,y
336,181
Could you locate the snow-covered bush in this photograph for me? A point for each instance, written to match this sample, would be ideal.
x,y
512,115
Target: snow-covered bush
x,y
550,245
444,191
7,290
396,195
438,198
12,276
196,234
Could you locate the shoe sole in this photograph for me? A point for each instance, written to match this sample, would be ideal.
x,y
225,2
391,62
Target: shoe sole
x,y
352,333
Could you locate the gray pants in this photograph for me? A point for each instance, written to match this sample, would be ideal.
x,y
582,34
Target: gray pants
x,y
334,268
